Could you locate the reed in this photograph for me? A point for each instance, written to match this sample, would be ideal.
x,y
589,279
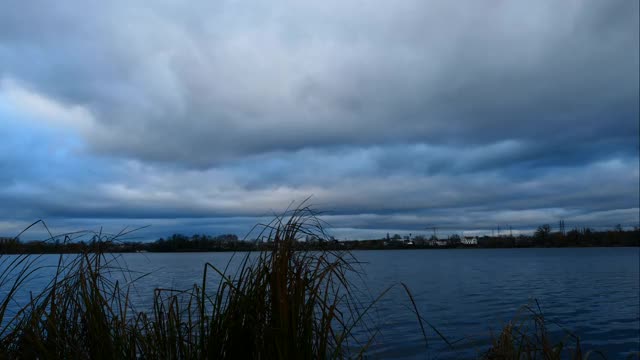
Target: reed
x,y
280,303
528,337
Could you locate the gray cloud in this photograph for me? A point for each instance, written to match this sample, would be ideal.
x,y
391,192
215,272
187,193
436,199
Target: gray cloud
x,y
351,184
205,84
391,115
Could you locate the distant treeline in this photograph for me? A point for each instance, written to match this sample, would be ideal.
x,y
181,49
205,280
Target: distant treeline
x,y
543,237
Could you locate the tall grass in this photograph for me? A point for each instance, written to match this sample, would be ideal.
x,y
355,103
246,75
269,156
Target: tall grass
x,y
527,337
280,303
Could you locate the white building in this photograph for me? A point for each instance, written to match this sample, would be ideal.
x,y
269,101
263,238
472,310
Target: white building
x,y
438,242
469,240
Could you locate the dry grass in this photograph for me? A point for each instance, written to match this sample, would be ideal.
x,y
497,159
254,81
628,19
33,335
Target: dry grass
x,y
527,337
281,303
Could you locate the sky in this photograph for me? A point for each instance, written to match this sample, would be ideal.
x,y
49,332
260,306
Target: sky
x,y
393,116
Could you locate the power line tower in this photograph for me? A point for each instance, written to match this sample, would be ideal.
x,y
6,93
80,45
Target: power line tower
x,y
562,227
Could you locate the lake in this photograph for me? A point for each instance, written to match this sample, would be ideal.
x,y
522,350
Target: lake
x,y
467,295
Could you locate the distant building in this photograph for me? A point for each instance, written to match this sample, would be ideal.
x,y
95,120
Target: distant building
x,y
437,242
419,240
469,240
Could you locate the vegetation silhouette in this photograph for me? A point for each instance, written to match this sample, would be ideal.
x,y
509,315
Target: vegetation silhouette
x,y
542,237
281,302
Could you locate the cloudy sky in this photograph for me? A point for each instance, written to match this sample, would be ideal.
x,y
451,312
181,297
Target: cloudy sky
x,y
393,115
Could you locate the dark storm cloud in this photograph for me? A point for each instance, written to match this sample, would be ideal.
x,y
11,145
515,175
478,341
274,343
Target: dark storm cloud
x,y
352,184
392,115
205,84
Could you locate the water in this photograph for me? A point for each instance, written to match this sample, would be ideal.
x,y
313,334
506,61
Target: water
x,y
465,294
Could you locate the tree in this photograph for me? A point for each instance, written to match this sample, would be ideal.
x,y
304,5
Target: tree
x,y
454,239
542,233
